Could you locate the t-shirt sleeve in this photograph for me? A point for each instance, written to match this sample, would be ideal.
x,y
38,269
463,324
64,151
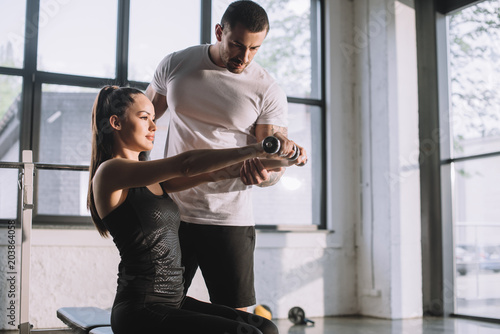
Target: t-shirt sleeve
x,y
275,107
160,77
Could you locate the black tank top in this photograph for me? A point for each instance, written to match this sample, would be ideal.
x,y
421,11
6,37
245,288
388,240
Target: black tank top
x,y
145,231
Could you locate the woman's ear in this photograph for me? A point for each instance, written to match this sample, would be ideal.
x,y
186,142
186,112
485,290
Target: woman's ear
x,y
114,121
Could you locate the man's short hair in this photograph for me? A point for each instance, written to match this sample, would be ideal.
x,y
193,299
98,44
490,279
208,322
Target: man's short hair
x,y
251,15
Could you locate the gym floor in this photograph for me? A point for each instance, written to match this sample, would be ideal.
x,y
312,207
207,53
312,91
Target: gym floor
x,y
365,325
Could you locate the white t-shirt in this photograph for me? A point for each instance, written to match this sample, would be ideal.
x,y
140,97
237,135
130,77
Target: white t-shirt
x,y
211,107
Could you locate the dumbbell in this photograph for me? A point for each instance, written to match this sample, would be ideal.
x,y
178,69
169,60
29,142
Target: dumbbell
x,y
298,317
272,145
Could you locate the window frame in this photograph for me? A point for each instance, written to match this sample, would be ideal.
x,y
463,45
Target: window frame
x,y
436,166
34,79
448,161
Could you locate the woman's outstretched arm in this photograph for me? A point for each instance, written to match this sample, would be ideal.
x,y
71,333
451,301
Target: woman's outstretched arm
x,y
116,174
230,172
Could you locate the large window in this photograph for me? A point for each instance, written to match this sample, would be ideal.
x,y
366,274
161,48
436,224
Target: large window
x,y
474,126
54,56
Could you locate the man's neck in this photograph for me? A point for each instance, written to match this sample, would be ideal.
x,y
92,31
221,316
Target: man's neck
x,y
213,54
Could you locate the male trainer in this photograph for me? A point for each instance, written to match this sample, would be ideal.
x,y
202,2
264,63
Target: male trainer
x,y
219,98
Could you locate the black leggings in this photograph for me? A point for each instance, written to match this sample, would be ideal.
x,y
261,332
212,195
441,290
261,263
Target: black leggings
x,y
193,317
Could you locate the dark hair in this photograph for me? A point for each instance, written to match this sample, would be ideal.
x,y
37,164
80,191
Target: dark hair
x,y
251,15
111,100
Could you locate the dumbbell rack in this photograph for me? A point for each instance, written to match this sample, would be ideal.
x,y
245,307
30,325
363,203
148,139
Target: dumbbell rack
x,y
26,178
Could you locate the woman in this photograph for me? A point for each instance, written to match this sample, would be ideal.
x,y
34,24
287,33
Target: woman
x,y
128,199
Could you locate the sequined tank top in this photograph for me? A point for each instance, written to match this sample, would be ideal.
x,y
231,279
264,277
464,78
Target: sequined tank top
x,y
145,231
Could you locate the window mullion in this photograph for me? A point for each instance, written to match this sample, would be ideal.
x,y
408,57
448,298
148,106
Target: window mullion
x,y
206,22
29,74
122,42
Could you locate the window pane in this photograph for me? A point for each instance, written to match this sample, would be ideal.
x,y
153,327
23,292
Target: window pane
x,y
8,193
477,237
62,193
12,22
10,107
65,132
292,201
287,52
157,29
78,37
474,35
65,138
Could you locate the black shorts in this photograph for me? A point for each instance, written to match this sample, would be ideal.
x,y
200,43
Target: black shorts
x,y
225,257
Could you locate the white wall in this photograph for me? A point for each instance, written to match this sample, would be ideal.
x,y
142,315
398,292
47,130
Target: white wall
x,y
68,268
388,237
410,299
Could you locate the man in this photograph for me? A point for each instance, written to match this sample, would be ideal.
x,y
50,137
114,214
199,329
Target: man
x,y
219,98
